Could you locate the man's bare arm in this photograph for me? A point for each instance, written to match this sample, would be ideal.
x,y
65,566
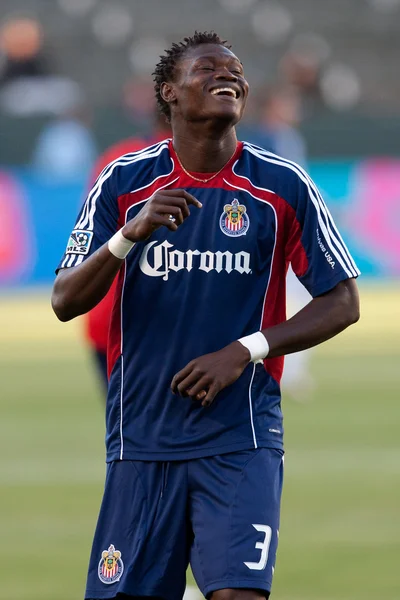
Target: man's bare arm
x,y
323,318
78,289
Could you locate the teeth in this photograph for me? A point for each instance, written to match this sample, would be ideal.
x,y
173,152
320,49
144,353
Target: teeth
x,y
224,89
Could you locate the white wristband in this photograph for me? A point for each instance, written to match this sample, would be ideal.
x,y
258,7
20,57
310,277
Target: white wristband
x,y
119,246
257,345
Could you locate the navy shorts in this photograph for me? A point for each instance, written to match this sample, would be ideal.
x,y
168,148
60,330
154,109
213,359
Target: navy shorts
x,y
220,513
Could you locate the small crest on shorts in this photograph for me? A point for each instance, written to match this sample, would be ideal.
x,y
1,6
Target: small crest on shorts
x,y
111,566
234,221
79,242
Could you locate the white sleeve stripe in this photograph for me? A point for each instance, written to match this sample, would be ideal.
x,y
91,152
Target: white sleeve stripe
x,y
72,260
272,192
330,238
130,155
341,244
125,158
86,220
87,217
337,232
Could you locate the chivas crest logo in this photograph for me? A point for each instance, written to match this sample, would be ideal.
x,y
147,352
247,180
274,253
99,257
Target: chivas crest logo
x,y
234,220
111,566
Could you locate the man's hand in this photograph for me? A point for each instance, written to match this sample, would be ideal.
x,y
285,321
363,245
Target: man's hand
x,y
168,208
207,375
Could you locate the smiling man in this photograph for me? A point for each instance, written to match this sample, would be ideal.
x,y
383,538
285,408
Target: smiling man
x,y
200,230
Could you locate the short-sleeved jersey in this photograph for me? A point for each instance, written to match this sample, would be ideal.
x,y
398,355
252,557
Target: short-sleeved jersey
x,y
183,294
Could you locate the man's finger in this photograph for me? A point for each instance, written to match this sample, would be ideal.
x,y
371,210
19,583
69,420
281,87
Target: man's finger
x,y
160,220
168,201
192,389
190,382
212,392
198,396
175,211
183,194
191,199
180,377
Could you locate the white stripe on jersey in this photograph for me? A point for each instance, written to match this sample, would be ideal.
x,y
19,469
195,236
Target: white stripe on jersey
x,y
266,290
76,259
148,185
324,208
87,217
125,158
121,399
341,252
71,260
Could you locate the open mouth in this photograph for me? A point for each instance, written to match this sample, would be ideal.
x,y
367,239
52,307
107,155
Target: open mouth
x,y
226,91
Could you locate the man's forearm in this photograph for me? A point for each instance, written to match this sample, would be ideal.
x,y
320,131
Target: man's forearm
x,y
78,289
323,318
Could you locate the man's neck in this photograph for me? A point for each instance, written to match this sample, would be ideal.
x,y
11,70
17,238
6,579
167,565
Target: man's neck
x,y
201,151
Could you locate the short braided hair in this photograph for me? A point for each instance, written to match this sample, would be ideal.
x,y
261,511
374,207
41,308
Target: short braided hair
x,y
165,68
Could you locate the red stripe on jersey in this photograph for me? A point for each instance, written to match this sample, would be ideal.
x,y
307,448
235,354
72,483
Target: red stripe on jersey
x,y
115,332
274,310
295,252
127,201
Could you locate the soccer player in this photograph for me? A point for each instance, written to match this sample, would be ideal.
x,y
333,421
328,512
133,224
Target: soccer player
x,y
200,229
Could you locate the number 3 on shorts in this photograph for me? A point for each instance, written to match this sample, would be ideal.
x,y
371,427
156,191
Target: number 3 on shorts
x,y
263,546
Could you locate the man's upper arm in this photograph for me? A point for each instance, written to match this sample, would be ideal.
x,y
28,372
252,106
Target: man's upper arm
x,y
315,248
96,222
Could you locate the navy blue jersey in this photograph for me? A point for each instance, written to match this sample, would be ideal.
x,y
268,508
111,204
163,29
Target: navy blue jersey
x,y
183,294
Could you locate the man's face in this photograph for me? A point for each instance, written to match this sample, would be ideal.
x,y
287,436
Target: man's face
x,y
209,84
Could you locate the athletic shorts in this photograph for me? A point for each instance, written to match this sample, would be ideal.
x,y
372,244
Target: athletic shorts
x,y
219,513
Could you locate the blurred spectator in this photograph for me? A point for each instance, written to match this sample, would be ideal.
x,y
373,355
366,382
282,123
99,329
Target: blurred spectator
x,y
26,85
97,321
301,67
138,103
280,114
21,42
66,148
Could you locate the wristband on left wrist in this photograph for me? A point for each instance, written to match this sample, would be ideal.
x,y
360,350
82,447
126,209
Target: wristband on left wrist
x,y
257,345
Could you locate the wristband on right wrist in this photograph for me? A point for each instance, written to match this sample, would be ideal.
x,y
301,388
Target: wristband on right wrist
x,y
257,345
119,245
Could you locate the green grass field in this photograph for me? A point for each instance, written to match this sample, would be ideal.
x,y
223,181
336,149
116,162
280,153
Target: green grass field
x,y
340,531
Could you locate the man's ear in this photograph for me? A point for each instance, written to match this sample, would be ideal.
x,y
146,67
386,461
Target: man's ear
x,y
167,92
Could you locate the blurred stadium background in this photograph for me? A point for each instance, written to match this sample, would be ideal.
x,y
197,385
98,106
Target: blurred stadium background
x,y
74,78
